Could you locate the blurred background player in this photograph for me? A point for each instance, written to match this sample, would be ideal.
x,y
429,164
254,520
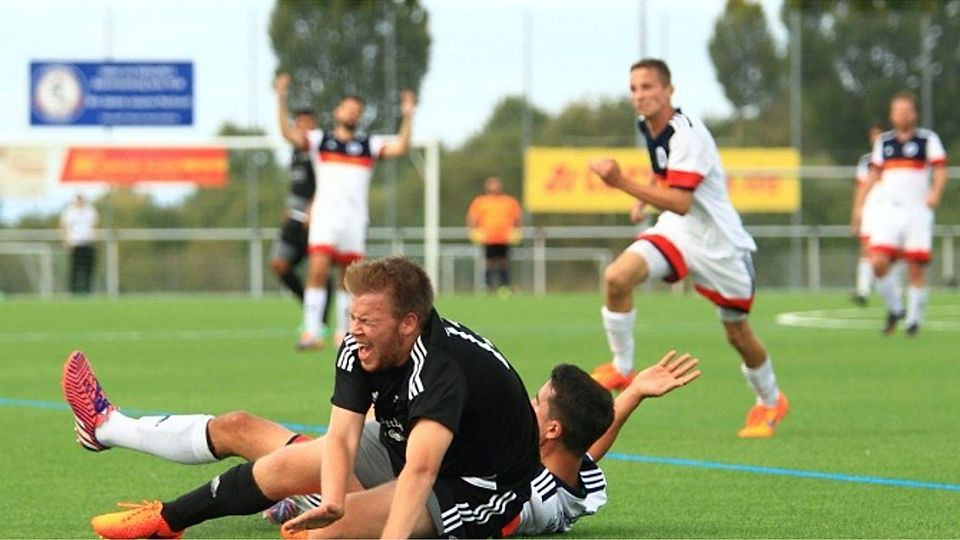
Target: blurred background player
x,y
577,422
902,161
291,248
77,224
698,232
864,275
494,219
343,161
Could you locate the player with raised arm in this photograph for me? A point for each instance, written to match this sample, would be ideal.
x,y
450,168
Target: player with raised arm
x,y
453,452
343,160
698,233
903,161
290,249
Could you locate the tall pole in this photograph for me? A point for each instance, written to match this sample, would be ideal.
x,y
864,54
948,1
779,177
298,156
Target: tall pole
x,y
927,39
796,136
390,91
527,138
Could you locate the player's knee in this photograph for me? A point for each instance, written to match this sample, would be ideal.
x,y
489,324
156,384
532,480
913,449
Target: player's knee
x,y
224,431
279,266
617,280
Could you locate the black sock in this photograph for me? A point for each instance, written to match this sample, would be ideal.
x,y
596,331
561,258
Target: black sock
x,y
233,493
504,278
489,278
294,283
326,306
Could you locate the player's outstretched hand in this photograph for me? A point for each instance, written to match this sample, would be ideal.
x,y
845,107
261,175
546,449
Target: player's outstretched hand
x,y
315,518
408,102
282,83
608,170
669,373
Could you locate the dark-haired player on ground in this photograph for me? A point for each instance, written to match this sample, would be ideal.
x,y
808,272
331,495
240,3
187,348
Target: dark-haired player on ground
x,y
454,455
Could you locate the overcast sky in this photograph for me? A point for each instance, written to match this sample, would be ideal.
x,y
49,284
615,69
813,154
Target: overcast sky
x,y
579,50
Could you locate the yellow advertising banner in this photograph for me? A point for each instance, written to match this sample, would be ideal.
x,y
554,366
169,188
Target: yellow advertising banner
x,y
23,172
559,180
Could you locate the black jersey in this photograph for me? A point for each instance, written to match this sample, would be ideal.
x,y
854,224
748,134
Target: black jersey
x,y
303,182
459,379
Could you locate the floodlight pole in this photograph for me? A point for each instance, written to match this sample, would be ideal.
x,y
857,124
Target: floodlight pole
x,y
431,218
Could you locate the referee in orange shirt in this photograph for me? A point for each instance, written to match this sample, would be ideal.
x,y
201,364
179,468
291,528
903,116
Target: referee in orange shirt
x,y
494,219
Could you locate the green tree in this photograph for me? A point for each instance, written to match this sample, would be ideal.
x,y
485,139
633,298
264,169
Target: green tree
x,y
337,47
746,59
857,53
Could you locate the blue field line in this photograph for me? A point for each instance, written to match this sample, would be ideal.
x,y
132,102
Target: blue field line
x,y
778,471
635,458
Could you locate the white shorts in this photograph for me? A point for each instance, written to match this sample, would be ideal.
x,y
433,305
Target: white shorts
x,y
337,232
903,232
868,218
725,277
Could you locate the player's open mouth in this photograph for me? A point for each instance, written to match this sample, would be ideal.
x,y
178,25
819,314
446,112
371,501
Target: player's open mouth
x,y
363,350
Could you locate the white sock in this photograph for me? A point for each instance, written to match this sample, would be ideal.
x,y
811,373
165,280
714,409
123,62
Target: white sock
x,y
313,302
619,328
763,382
179,438
343,311
916,304
888,287
899,273
864,277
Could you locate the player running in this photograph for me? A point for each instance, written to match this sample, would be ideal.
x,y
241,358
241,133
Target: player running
x,y
343,160
573,417
902,161
861,225
698,233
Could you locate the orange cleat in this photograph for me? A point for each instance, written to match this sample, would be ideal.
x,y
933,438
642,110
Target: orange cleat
x,y
762,420
141,521
611,379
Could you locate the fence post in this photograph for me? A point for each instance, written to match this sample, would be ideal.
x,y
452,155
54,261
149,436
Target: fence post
x,y
813,259
539,262
113,263
948,274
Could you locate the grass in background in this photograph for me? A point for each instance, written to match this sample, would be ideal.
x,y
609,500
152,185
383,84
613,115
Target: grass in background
x,y
861,405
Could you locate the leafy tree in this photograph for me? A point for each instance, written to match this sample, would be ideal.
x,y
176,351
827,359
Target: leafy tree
x,y
856,54
337,47
746,59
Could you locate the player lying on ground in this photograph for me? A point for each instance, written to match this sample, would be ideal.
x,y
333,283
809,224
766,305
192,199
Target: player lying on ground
x,y
567,406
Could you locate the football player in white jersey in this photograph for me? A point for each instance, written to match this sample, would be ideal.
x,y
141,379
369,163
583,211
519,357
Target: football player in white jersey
x,y
861,227
903,161
343,160
698,232
577,422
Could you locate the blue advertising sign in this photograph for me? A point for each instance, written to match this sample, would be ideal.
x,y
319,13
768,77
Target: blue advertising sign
x,y
111,93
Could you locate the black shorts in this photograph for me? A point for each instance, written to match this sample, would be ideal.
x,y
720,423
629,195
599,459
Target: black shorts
x,y
461,508
497,251
292,244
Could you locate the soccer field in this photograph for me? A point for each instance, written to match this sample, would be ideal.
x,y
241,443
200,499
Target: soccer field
x,y
869,448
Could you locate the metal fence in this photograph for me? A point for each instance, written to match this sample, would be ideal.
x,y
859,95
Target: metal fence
x,y
550,259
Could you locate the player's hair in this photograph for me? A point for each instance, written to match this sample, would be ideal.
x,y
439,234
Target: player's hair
x,y
353,97
657,65
905,95
404,281
876,124
583,407
305,111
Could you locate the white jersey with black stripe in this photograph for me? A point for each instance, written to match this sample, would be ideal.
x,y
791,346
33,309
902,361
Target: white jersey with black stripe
x,y
554,506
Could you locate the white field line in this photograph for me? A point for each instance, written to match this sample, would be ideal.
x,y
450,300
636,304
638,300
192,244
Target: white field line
x,y
943,318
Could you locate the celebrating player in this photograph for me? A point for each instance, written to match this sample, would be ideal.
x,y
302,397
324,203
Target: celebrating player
x,y
457,444
572,411
291,248
343,160
699,233
902,161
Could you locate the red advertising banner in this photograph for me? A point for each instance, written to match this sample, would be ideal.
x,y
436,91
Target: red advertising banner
x,y
205,167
